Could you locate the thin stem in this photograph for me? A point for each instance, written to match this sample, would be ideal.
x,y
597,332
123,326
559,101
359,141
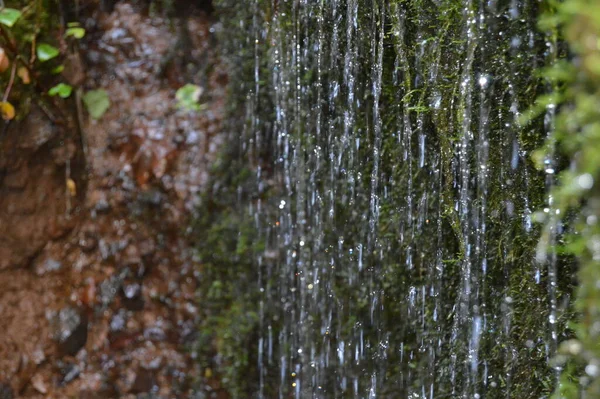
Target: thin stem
x,y
9,41
10,82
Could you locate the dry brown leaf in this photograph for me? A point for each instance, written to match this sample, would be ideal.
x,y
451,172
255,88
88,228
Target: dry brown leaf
x,y
37,381
7,110
4,61
23,73
71,187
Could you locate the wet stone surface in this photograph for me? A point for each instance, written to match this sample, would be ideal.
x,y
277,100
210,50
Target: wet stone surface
x,y
6,391
70,330
100,303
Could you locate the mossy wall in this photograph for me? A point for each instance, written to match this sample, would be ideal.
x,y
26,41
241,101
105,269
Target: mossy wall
x,y
372,225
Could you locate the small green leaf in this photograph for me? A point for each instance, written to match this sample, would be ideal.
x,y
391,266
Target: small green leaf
x,y
62,90
77,33
46,52
188,97
96,102
8,16
73,24
58,69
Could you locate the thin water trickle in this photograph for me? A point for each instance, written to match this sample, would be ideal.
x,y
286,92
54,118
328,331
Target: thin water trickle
x,y
400,247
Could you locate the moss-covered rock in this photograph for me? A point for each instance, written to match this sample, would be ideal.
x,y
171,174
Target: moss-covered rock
x,y
390,198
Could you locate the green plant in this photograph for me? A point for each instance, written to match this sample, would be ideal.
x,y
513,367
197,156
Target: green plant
x,y
227,245
188,97
62,90
33,47
97,102
576,138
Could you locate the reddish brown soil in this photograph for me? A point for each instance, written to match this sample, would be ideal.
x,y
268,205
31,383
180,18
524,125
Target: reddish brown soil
x,y
97,290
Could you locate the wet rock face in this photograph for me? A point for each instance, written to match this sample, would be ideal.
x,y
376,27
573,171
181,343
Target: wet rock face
x,y
32,189
109,289
69,371
24,336
183,5
144,382
6,391
132,297
48,266
71,330
107,309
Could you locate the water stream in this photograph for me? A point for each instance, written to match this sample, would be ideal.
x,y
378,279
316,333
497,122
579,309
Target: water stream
x,y
400,257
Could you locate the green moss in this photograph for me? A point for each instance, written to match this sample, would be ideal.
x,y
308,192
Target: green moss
x,y
227,244
421,240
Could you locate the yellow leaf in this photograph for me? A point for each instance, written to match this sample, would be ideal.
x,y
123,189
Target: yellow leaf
x,y
71,187
23,73
7,110
4,61
208,373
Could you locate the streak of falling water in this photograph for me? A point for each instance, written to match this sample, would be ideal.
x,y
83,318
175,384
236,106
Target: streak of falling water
x,y
466,306
553,214
377,300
